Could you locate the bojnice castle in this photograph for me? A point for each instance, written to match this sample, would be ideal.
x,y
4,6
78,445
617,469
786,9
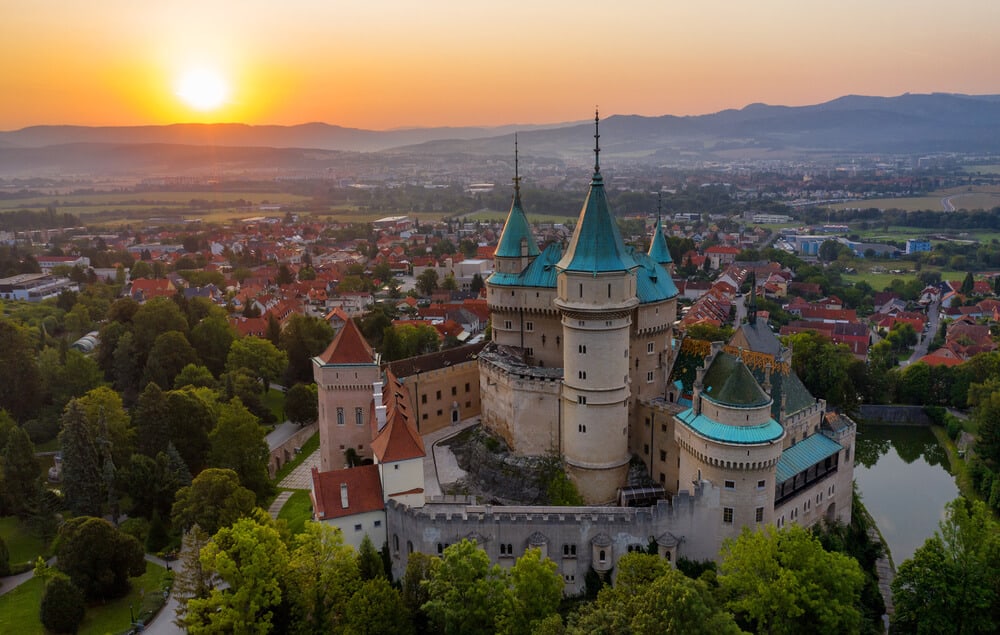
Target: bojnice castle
x,y
584,364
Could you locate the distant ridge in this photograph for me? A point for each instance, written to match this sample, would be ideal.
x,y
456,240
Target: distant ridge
x,y
853,124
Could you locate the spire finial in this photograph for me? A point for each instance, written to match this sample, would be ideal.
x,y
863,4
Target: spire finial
x,y
659,200
517,174
597,140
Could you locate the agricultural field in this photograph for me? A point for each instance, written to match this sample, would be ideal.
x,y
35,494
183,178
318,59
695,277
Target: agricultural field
x,y
966,197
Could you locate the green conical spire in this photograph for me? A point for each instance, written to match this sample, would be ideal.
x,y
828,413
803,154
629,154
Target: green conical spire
x,y
658,246
597,246
516,229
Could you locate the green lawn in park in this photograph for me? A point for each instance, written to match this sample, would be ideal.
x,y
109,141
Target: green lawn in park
x,y
22,544
296,511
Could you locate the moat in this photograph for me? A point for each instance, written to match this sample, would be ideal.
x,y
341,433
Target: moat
x,y
902,475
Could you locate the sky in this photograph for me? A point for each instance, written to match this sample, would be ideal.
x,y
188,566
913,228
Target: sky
x,y
383,64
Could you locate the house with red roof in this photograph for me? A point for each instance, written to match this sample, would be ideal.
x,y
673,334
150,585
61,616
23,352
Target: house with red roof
x,y
352,500
143,289
720,256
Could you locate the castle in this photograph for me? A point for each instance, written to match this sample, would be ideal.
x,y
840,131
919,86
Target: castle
x,y
583,364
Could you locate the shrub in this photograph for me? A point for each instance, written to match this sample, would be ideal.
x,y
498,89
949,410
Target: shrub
x,y
4,559
137,527
62,606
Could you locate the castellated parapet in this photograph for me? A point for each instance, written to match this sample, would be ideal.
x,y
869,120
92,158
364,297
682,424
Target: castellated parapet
x,y
575,538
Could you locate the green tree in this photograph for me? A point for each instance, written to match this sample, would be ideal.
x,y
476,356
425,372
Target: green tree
x,y
21,473
302,404
81,468
419,567
171,352
152,421
377,608
63,605
535,592
783,581
302,339
968,283
195,376
190,579
105,415
212,338
67,375
950,583
258,356
322,577
466,593
19,391
238,444
98,558
251,560
190,420
477,284
215,499
449,283
125,369
157,316
427,282
824,368
369,560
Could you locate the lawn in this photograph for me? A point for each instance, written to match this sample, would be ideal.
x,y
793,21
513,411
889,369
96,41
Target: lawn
x,y
19,608
274,400
308,448
966,197
23,546
296,511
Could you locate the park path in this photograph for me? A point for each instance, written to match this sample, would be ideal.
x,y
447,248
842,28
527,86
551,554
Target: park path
x,y
11,582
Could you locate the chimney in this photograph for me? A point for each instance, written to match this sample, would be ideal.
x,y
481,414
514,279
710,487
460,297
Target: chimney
x,y
343,496
377,391
767,378
380,416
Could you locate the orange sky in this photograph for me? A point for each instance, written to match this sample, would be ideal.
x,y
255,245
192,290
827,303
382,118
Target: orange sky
x,y
384,64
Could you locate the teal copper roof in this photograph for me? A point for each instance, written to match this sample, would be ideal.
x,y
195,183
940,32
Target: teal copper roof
x,y
804,454
653,282
728,382
596,247
514,231
706,427
540,273
658,248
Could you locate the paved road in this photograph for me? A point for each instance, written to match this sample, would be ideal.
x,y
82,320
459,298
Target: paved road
x,y
933,313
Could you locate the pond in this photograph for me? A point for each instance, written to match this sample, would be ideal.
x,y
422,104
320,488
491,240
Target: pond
x,y
902,475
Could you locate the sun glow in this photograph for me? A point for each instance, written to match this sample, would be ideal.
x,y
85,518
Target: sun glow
x,y
202,89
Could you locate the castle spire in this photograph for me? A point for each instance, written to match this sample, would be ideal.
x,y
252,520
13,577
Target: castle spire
x,y
658,250
517,174
597,141
516,240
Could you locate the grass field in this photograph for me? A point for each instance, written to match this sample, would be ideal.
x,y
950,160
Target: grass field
x,y
981,169
971,198
274,400
23,546
296,511
19,608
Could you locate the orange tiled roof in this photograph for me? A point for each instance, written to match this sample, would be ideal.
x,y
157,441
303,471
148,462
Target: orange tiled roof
x,y
364,492
349,347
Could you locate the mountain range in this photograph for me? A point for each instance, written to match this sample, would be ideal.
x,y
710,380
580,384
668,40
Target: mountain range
x,y
850,125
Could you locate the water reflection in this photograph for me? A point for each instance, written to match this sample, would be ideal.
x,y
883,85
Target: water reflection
x,y
902,474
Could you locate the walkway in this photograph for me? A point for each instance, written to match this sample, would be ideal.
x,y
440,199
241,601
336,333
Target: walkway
x,y
278,503
163,622
440,464
11,582
301,476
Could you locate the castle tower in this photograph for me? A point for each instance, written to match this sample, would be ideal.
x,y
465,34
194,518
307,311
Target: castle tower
x,y
517,247
596,295
658,246
346,374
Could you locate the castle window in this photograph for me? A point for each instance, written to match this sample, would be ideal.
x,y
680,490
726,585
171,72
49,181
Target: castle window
x,y
529,326
582,374
645,448
409,546
582,349
581,289
663,455
557,340
581,428
340,416
423,398
649,377
357,528
761,484
759,515
395,537
466,387
649,347
609,289
727,515
506,549
439,395
663,478
424,416
507,325
730,484
602,556
454,390
582,400
359,416
569,551
529,351
663,427
440,548
440,412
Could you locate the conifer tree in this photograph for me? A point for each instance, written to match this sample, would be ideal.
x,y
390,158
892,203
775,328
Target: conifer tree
x,y
81,471
151,418
190,579
21,472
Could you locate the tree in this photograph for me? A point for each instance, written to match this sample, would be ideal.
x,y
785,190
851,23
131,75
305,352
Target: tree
x,y
369,560
824,369
238,444
190,579
21,473
251,559
125,369
258,356
106,417
301,404
190,420
377,608
477,284
19,391
171,352
427,282
81,470
650,597
67,375
63,605
302,339
212,338
783,581
157,316
449,283
536,590
195,376
98,558
215,499
950,584
418,571
152,421
464,590
968,283
322,576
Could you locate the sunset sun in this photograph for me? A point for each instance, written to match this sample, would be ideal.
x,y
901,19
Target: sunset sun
x,y
202,89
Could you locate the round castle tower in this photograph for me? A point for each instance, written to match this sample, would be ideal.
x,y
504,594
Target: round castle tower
x,y
596,295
